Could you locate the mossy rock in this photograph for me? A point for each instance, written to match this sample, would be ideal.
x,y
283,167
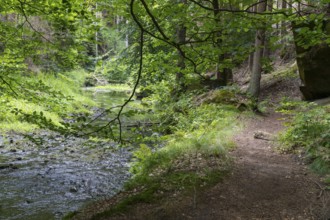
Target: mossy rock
x,y
313,64
221,96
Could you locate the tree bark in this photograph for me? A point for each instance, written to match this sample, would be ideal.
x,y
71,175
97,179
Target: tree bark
x,y
181,38
283,23
250,62
225,75
267,51
254,87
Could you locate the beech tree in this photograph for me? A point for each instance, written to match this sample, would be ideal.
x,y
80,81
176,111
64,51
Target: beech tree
x,y
254,87
172,44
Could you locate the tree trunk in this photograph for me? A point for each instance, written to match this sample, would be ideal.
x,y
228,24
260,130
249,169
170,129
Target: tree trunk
x,y
181,38
250,63
224,75
283,23
266,51
254,87
96,37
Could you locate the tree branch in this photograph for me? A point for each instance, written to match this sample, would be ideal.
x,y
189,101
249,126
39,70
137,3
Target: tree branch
x,y
27,21
121,107
9,86
154,20
164,39
247,10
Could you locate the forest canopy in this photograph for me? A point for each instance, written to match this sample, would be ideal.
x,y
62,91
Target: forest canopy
x,y
160,47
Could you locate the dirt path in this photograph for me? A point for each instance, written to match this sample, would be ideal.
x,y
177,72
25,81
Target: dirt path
x,y
263,185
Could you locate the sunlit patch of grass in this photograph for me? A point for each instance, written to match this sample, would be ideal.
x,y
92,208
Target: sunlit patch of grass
x,y
70,85
12,122
17,126
29,108
112,87
65,96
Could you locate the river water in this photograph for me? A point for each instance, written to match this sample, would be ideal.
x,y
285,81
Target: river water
x,y
47,180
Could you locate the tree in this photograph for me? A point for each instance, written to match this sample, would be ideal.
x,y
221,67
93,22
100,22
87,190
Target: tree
x,y
181,39
254,87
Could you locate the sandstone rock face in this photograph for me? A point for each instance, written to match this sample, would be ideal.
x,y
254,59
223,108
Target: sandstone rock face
x,y
314,68
314,71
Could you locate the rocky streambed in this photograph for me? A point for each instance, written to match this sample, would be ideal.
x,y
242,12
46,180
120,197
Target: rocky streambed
x,y
53,175
58,176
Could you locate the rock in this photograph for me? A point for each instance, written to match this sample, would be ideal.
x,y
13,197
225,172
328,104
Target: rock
x,y
28,201
5,166
324,101
263,136
313,64
73,190
8,166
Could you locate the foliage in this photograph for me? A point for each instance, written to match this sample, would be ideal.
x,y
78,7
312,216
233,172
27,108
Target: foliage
x,y
310,129
48,35
192,157
115,70
42,101
102,36
111,87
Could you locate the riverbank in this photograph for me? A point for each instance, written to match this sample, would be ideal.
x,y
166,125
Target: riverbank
x,y
255,180
45,174
45,99
262,184
191,158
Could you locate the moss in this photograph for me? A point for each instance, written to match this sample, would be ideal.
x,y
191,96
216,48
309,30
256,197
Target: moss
x,y
70,215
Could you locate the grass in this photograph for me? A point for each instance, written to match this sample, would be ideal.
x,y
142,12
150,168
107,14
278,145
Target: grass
x,y
110,87
53,95
70,85
193,157
308,133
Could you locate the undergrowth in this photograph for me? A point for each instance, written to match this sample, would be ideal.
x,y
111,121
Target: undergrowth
x,y
309,130
51,96
192,154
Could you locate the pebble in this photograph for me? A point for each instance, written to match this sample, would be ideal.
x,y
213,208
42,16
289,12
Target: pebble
x,y
73,189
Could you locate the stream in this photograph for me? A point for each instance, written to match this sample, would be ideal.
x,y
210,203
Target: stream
x,y
59,175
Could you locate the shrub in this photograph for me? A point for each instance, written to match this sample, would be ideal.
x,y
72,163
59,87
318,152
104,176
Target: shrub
x,y
310,129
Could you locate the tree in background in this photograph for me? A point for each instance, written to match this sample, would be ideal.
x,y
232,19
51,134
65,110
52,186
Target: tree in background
x,y
183,40
254,87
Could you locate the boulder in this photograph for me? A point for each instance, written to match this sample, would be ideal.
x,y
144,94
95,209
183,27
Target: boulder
x,y
314,71
314,67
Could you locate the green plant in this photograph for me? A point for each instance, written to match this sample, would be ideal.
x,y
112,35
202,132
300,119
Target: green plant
x,y
193,156
310,129
43,101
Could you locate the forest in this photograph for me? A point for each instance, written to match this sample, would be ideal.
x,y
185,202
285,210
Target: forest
x,y
172,109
